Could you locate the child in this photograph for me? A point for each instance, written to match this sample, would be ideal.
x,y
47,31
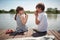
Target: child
x,y
21,20
41,20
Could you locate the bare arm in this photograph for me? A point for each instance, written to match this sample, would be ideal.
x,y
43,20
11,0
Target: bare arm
x,y
36,18
37,21
24,19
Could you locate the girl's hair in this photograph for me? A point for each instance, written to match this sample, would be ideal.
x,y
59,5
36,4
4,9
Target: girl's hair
x,y
17,10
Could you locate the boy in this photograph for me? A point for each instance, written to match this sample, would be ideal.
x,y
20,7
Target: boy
x,y
40,20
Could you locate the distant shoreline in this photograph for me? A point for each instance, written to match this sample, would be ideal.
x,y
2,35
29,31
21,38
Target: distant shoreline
x,y
29,13
48,11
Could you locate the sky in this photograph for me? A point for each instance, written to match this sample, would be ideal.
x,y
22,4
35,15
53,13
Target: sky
x,y
28,4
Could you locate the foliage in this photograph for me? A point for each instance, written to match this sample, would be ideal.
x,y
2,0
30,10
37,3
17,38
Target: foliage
x,y
53,10
49,10
12,11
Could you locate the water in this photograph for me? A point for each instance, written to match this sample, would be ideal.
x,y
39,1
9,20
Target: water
x,y
7,21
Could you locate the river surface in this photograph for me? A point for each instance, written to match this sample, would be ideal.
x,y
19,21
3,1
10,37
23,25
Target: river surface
x,y
7,21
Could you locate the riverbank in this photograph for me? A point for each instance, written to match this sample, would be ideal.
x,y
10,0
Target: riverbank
x,y
30,13
49,11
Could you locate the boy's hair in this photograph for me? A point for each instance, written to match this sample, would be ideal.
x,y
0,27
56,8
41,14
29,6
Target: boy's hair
x,y
40,5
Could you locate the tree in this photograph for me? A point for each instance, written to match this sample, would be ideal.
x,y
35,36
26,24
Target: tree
x,y
12,11
52,10
0,11
49,10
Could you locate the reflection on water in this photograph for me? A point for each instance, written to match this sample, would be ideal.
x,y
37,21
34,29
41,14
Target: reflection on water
x,y
53,21
52,16
7,21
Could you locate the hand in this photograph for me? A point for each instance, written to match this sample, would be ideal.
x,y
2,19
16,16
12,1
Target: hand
x,y
36,13
26,16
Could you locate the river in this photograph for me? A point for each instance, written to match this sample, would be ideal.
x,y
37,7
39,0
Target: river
x,y
7,21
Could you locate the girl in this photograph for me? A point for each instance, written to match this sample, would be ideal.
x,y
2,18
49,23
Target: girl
x,y
21,20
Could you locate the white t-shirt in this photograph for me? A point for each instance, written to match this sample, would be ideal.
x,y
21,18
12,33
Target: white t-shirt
x,y
42,26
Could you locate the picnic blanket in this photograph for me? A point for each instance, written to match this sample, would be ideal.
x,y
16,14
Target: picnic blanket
x,y
47,37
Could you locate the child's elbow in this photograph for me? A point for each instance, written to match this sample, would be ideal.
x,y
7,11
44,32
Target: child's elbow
x,y
37,23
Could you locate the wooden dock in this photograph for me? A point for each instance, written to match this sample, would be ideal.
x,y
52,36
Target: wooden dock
x,y
4,36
